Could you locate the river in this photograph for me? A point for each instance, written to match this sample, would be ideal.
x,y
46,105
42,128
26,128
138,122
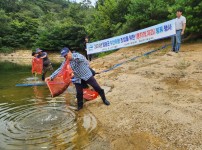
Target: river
x,y
31,119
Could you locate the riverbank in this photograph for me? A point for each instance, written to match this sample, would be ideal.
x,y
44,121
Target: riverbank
x,y
24,57
156,101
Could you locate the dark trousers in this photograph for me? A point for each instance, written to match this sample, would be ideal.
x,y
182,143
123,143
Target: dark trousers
x,y
94,84
89,57
45,70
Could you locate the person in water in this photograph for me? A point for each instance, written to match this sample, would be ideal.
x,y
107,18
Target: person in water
x,y
46,62
37,65
81,71
34,54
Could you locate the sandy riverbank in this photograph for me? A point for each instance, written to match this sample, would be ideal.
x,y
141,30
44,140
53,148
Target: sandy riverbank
x,y
156,101
23,57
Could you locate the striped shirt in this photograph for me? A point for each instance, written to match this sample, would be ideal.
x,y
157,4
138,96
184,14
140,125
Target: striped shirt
x,y
80,67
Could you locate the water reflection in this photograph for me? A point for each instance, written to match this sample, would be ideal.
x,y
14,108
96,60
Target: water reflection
x,y
31,119
39,96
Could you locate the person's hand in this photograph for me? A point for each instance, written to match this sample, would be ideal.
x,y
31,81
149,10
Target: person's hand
x,y
72,75
73,80
182,32
44,56
47,79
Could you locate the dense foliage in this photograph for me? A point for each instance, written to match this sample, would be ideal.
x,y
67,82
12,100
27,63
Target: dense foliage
x,y
52,24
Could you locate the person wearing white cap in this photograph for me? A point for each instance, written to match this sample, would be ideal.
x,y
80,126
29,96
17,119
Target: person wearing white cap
x,y
46,62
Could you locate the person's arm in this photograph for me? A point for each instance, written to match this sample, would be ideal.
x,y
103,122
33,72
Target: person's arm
x,y
183,25
84,46
44,55
183,28
55,73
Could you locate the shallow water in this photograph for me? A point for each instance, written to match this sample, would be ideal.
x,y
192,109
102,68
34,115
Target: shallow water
x,y
31,119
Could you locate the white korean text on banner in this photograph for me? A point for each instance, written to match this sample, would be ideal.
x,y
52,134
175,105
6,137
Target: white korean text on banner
x,y
156,32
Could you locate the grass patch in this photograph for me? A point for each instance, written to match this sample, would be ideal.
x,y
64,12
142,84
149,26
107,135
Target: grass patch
x,y
6,50
182,65
104,54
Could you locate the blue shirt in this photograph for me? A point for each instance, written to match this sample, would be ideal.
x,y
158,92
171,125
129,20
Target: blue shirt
x,y
80,68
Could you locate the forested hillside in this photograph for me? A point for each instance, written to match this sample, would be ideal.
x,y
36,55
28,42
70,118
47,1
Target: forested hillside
x,y
52,24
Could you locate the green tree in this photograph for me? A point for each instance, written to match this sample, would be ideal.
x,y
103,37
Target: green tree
x,y
52,24
86,4
9,5
108,19
61,35
145,13
5,28
4,23
24,31
192,12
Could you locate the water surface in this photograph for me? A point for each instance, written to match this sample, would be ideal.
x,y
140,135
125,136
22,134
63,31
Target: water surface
x,y
31,119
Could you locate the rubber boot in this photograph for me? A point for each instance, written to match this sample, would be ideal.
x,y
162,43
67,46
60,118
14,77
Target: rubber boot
x,y
102,95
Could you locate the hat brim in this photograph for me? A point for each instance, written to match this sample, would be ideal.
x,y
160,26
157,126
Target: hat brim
x,y
62,55
38,51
